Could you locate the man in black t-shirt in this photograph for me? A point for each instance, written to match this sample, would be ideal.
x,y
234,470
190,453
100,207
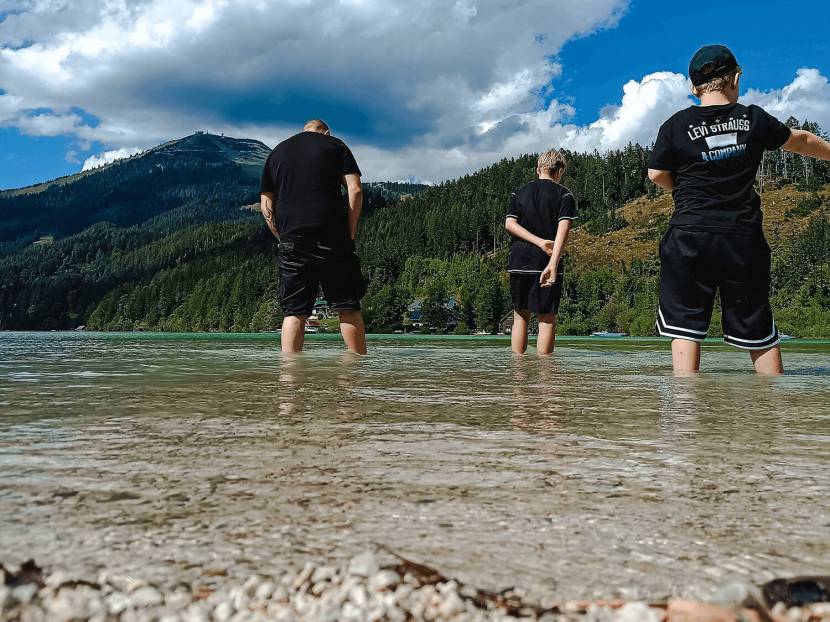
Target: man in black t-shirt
x,y
708,157
539,219
304,206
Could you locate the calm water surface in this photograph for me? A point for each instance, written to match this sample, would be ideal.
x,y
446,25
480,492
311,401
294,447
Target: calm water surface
x,y
592,473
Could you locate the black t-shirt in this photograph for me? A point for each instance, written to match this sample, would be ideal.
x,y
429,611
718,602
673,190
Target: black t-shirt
x,y
305,173
714,153
538,207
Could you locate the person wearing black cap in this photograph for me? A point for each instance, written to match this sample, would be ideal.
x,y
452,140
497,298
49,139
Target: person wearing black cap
x,y
707,156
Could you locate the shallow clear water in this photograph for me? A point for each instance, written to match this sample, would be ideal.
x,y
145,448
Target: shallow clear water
x,y
595,472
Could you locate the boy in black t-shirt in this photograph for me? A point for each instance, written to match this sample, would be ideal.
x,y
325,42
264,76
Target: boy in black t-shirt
x,y
708,157
539,211
304,207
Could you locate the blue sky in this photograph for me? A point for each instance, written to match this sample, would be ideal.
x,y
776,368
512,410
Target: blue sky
x,y
770,38
430,90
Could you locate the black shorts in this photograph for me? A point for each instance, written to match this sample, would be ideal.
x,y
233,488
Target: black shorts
x,y
527,294
305,266
693,265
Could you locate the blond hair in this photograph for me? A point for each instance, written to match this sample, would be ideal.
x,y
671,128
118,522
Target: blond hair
x,y
316,125
716,85
551,162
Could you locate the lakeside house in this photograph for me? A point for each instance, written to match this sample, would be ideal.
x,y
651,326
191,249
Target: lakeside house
x,y
506,324
414,317
322,310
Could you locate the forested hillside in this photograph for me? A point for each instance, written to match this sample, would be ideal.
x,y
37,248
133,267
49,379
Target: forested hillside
x,y
185,249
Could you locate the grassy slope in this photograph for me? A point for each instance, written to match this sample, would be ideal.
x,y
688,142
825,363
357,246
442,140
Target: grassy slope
x,y
648,218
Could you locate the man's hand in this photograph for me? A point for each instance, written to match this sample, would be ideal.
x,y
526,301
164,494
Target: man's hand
x,y
547,246
548,276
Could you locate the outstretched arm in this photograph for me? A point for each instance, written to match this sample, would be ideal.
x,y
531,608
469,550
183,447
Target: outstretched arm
x,y
548,276
352,183
808,144
267,207
663,179
517,231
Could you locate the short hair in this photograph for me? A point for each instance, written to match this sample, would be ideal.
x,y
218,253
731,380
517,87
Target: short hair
x,y
716,85
316,125
551,161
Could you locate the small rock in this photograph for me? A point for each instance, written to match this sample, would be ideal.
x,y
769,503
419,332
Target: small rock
x,y
364,565
24,593
146,596
351,613
196,612
451,605
264,591
32,613
690,611
117,602
223,612
636,612
359,596
323,573
5,598
384,580
303,576
177,600
252,583
280,594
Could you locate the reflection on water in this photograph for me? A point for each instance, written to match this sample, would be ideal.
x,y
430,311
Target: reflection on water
x,y
594,472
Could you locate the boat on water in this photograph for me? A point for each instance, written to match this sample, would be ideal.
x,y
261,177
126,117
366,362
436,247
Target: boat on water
x,y
605,333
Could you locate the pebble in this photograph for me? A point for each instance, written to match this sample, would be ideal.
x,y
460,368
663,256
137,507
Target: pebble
x,y
364,565
358,591
265,590
223,612
146,596
384,580
24,593
636,612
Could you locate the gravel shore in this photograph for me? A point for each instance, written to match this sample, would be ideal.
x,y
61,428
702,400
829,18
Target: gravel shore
x,y
365,589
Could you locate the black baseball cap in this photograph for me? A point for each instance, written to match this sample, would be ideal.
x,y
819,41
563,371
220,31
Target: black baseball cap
x,y
710,62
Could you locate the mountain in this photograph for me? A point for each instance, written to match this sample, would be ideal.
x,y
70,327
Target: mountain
x,y
172,240
200,169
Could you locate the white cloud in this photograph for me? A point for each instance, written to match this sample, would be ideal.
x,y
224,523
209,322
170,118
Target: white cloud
x,y
644,107
432,88
806,97
110,156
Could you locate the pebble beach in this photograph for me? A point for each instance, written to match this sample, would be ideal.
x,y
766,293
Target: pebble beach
x,y
370,587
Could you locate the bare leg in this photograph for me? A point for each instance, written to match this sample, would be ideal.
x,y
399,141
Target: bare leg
x,y
518,334
768,361
293,333
547,334
353,331
685,355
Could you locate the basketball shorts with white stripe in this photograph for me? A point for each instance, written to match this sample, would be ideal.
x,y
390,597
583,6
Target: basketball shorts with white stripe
x,y
694,265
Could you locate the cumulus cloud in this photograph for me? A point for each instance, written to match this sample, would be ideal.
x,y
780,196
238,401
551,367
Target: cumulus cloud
x,y
806,97
110,156
431,88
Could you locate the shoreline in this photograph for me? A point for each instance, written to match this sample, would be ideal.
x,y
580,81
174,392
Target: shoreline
x,y
369,587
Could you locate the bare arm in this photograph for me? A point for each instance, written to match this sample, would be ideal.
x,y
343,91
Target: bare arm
x,y
517,231
663,179
267,207
548,276
808,144
352,183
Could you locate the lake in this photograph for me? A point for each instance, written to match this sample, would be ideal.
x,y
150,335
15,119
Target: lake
x,y
591,473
